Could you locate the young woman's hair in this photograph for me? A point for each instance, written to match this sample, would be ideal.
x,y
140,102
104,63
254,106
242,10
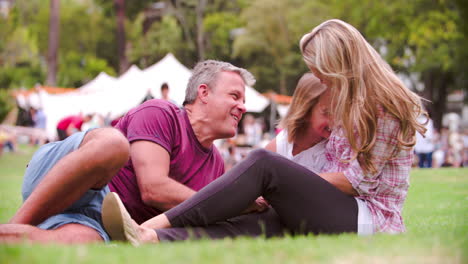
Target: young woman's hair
x,y
306,96
361,81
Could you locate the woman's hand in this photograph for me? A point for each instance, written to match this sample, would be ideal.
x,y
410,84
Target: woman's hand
x,y
339,180
259,205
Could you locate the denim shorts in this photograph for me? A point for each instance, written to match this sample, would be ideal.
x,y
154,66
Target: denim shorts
x,y
86,210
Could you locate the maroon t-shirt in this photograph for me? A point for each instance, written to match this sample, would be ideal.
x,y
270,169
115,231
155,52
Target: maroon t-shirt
x,y
167,125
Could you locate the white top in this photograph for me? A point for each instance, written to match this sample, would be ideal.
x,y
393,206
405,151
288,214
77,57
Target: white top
x,y
312,158
425,144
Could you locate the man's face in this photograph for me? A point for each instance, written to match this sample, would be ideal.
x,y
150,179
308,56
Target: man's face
x,y
226,104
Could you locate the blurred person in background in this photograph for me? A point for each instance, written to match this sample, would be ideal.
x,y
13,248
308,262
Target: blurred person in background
x,y
424,147
465,147
165,93
232,158
148,96
7,141
253,130
438,154
71,124
440,147
40,122
96,121
456,147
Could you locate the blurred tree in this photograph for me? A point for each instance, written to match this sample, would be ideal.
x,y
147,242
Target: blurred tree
x,y
18,47
54,23
268,33
19,54
24,45
220,33
6,103
461,56
80,67
192,17
161,38
420,38
129,11
200,12
183,11
270,41
121,43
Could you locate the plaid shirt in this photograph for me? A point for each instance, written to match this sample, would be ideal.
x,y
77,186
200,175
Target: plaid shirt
x,y
385,191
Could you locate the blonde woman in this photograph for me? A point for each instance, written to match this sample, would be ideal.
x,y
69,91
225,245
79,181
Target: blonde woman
x,y
368,155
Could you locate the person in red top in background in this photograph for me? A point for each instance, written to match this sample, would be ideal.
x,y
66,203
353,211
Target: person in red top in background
x,y
71,124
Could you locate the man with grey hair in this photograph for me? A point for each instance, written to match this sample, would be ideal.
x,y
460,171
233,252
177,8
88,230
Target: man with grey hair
x,y
157,156
205,73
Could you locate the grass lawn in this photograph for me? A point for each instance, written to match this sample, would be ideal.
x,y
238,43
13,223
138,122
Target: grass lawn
x,y
436,216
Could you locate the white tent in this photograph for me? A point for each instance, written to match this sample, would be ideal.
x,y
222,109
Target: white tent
x,y
102,82
255,101
57,106
176,75
113,97
113,101
282,110
168,70
131,89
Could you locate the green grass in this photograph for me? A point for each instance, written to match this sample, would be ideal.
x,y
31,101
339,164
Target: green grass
x,y
436,216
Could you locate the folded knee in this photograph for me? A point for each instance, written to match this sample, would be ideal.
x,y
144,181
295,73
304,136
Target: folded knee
x,y
261,154
110,147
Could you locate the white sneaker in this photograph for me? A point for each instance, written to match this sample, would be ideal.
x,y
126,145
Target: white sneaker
x,y
117,221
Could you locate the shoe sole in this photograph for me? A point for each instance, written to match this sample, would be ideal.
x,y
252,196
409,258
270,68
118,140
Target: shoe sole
x,y
117,221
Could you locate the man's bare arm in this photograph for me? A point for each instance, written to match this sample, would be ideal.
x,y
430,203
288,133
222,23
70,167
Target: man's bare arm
x,y
151,163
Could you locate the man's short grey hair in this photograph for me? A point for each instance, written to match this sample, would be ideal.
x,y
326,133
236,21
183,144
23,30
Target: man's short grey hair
x,y
206,72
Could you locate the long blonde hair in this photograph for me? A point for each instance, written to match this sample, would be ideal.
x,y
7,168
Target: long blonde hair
x,y
305,97
361,81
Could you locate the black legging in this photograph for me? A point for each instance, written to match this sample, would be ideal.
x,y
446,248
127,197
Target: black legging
x,y
304,202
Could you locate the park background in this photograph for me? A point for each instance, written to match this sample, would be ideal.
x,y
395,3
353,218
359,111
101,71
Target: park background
x,y
68,43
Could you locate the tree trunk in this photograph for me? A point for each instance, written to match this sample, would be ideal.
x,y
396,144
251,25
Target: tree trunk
x,y
200,9
54,23
282,82
436,85
120,14
179,14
